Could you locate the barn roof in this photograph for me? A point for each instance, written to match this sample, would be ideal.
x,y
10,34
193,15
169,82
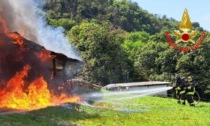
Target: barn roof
x,y
10,37
133,84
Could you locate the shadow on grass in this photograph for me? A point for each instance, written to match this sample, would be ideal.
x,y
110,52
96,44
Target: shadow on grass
x,y
201,106
56,115
71,113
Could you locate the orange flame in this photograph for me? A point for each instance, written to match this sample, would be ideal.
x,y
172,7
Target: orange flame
x,y
36,96
44,55
3,25
17,38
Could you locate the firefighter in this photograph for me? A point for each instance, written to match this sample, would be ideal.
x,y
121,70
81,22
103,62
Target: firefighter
x,y
190,90
180,91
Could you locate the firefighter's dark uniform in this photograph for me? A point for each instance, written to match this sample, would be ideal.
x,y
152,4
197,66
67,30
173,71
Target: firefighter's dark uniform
x,y
180,83
190,91
187,92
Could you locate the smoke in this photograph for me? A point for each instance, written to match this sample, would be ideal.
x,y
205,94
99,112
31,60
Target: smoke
x,y
27,18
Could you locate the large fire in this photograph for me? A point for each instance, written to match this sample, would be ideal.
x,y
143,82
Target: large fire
x,y
23,76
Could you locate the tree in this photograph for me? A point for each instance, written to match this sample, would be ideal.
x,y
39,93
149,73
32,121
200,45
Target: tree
x,y
131,45
62,22
100,47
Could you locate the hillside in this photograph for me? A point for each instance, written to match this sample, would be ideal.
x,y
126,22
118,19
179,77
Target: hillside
x,y
124,14
144,111
121,42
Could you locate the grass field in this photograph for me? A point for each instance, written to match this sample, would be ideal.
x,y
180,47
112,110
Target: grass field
x,y
144,111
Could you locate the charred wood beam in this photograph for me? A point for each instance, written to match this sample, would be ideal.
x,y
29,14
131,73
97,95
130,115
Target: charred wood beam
x,y
54,67
64,69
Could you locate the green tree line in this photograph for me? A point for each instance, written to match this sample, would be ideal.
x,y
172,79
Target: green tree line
x,y
121,42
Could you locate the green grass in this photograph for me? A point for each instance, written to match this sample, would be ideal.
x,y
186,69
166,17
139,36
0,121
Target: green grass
x,y
144,111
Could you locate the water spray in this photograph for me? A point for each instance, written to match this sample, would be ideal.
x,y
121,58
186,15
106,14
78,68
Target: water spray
x,y
137,95
130,94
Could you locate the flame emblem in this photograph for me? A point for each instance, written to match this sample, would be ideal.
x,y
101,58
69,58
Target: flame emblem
x,y
185,34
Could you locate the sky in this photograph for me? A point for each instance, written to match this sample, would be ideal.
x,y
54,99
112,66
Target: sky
x,y
198,10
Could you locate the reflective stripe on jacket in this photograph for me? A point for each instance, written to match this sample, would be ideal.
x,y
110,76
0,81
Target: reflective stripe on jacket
x,y
190,90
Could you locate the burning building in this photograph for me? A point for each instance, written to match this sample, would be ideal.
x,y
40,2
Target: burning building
x,y
17,52
31,75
